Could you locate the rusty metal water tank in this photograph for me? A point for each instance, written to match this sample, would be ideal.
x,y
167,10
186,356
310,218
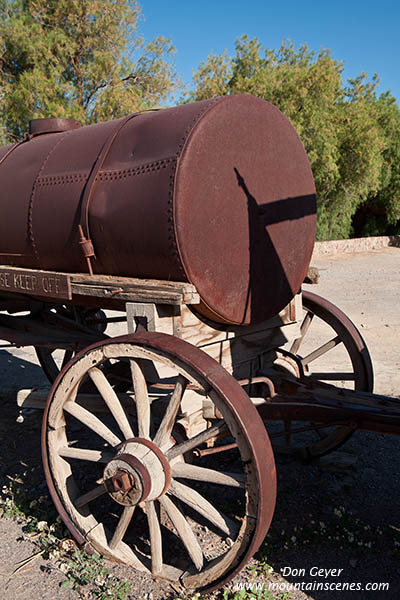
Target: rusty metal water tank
x,y
218,193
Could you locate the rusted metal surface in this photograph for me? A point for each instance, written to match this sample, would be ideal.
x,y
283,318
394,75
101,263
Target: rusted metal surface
x,y
214,450
41,126
217,193
351,337
122,486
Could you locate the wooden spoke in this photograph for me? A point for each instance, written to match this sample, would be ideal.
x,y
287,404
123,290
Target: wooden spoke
x,y
198,439
83,454
184,531
321,350
164,431
91,421
142,400
67,357
122,526
155,538
112,401
89,496
303,330
203,507
187,471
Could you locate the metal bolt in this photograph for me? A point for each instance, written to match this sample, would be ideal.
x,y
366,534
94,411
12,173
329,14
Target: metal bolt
x,y
122,482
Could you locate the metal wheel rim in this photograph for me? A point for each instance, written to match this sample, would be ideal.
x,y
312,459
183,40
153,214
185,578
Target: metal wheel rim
x,y
360,359
238,412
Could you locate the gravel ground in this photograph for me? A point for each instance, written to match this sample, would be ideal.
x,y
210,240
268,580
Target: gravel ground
x,y
342,512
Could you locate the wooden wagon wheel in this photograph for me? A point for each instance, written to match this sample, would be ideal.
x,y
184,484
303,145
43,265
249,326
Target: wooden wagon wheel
x,y
119,479
336,333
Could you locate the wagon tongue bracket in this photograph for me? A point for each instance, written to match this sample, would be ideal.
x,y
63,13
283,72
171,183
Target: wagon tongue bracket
x,y
310,400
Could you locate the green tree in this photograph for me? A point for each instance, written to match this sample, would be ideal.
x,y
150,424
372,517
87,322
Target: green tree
x,y
380,212
345,131
77,58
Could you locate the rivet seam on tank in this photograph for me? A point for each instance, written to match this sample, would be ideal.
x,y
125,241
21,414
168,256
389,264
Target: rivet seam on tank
x,y
139,170
32,197
62,179
171,225
106,175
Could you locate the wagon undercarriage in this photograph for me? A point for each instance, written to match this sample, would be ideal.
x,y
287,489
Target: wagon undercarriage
x,y
148,442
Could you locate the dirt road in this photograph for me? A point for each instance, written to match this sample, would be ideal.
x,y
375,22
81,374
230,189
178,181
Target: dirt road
x,y
366,286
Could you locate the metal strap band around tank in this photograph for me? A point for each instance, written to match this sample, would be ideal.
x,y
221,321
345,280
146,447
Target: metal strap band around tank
x,y
85,241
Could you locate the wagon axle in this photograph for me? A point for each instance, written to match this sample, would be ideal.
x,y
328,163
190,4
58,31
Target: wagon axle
x,y
140,471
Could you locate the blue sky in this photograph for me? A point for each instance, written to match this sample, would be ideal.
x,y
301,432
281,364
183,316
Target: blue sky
x,y
365,35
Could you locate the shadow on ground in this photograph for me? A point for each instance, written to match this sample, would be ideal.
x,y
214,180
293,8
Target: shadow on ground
x,y
327,516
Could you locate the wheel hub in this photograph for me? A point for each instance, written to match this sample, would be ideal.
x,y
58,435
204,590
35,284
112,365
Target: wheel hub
x,y
138,472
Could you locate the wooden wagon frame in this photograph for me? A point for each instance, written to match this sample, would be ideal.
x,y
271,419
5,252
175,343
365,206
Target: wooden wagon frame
x,y
151,437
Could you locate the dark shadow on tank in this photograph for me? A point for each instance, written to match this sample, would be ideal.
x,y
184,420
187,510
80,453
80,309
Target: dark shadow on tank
x,y
263,255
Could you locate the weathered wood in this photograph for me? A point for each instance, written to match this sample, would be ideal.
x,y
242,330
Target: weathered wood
x,y
35,282
123,553
321,350
196,473
122,526
203,507
184,531
89,496
235,347
155,538
134,289
198,439
91,421
167,423
141,399
83,454
304,327
112,401
55,285
37,398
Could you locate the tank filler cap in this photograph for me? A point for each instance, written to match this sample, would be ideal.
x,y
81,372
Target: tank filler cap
x,y
41,126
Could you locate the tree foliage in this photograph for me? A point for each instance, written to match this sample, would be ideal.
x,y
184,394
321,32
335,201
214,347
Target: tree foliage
x,y
352,137
77,58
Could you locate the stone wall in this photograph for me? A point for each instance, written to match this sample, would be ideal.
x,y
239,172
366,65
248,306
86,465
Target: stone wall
x,y
355,245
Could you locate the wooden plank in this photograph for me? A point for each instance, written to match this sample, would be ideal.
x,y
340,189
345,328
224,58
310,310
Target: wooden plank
x,y
35,283
234,347
52,284
134,289
137,293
